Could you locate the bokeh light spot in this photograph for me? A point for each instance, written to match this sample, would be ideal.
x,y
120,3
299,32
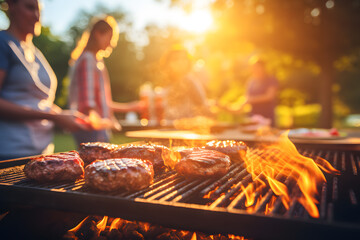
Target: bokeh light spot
x,y
330,4
315,12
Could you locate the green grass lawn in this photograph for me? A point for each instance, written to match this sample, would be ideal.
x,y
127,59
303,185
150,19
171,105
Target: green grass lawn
x,y
65,142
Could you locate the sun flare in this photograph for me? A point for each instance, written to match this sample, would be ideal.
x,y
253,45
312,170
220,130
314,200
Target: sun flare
x,y
198,21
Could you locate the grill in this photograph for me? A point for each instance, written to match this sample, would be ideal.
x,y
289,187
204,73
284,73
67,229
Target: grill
x,y
212,205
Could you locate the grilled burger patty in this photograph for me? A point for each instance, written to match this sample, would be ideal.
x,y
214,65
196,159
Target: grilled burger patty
x,y
151,152
92,151
198,162
236,150
56,167
119,173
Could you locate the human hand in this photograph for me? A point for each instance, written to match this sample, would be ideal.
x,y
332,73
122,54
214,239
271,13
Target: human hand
x,y
234,108
116,125
72,121
216,106
139,106
229,107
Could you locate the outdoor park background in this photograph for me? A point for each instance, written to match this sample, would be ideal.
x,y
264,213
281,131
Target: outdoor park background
x,y
311,46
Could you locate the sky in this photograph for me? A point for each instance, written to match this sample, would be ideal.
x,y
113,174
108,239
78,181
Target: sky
x,y
59,14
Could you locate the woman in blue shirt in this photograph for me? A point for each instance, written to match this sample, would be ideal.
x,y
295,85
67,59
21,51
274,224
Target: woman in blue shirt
x,y
27,87
260,92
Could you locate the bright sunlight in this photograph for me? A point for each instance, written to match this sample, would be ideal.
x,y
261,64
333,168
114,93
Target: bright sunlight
x,y
198,21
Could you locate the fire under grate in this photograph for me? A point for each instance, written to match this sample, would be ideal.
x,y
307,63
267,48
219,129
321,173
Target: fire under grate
x,y
215,205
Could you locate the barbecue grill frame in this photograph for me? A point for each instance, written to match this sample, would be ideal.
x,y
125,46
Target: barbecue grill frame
x,y
193,217
190,217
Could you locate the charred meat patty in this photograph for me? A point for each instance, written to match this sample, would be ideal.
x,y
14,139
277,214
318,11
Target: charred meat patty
x,y
236,150
55,167
92,151
152,153
119,173
198,162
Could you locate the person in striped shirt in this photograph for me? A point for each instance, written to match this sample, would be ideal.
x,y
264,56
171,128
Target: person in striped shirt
x,y
89,90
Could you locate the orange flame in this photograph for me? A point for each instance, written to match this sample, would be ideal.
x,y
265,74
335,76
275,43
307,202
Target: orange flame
x,y
252,208
102,224
250,194
269,207
145,226
77,227
193,237
171,157
232,236
210,193
326,166
278,188
114,224
283,160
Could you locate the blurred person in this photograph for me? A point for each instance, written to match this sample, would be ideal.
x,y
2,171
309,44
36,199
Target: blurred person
x,y
261,92
89,90
27,87
185,96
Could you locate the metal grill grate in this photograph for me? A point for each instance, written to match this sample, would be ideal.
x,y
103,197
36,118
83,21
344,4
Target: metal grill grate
x,y
221,198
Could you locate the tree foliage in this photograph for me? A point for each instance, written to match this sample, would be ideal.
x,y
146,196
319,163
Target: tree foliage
x,y
57,52
311,30
311,46
123,66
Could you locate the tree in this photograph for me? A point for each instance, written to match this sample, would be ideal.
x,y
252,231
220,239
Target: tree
x,y
57,52
122,65
318,31
313,30
160,40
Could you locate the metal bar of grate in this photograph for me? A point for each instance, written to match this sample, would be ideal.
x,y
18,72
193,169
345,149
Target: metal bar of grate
x,y
222,180
353,164
159,183
183,197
